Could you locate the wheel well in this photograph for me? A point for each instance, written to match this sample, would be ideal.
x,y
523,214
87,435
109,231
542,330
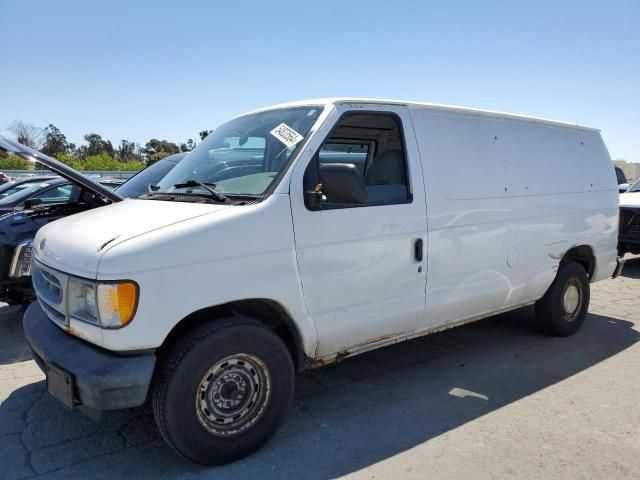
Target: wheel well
x,y
582,254
268,312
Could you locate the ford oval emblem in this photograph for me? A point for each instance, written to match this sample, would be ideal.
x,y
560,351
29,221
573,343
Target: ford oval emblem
x,y
42,243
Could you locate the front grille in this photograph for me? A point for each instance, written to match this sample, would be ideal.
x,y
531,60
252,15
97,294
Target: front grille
x,y
630,223
50,287
21,263
51,313
47,286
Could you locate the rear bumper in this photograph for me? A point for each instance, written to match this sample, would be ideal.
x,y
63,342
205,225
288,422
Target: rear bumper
x,y
102,381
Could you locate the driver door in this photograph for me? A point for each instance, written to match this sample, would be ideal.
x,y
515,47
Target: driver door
x,y
362,279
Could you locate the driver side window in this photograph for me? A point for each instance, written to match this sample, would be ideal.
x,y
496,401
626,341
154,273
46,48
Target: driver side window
x,y
373,143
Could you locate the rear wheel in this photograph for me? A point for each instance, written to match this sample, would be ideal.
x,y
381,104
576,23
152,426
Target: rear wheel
x,y
562,310
223,391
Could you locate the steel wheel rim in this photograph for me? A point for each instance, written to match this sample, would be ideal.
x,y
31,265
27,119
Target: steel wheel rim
x,y
571,299
233,394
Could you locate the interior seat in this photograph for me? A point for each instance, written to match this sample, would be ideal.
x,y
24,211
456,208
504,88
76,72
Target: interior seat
x,y
386,178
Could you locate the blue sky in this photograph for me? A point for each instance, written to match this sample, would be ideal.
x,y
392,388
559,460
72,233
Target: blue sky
x,y
142,69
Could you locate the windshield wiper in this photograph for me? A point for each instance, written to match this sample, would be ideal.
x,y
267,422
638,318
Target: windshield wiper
x,y
209,187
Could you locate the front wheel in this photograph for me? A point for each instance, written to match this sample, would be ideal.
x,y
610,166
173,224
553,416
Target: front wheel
x,y
562,310
223,391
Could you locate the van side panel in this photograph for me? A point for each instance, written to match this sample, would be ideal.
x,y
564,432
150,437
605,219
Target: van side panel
x,y
505,199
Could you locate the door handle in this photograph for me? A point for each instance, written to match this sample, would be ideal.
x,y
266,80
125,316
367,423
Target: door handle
x,y
418,249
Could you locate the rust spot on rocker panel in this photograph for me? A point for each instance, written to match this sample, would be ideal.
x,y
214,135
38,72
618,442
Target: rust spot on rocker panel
x,y
391,339
341,355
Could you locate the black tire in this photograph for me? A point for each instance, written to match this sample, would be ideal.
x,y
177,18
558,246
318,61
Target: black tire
x,y
552,312
13,298
191,383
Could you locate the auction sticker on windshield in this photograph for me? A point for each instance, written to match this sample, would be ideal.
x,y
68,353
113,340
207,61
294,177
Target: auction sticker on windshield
x,y
286,135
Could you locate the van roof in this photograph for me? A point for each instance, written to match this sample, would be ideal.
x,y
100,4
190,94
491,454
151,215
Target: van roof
x,y
430,106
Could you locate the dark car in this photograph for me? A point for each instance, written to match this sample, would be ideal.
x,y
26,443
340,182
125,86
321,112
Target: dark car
x,y
629,225
19,228
4,178
57,190
18,184
54,191
110,182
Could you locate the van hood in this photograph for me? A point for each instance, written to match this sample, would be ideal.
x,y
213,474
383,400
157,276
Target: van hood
x,y
76,243
630,199
65,171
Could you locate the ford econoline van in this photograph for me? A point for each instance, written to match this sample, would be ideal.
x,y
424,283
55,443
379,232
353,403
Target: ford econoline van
x,y
305,233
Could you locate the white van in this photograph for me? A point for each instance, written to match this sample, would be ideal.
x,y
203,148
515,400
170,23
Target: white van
x,y
301,234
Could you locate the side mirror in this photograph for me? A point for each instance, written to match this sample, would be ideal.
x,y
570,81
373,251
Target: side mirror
x,y
31,202
623,187
342,183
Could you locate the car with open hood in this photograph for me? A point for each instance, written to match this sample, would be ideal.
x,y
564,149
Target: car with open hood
x,y
56,190
51,198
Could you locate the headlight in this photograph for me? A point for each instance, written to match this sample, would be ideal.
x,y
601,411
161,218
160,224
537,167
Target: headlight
x,y
106,304
21,262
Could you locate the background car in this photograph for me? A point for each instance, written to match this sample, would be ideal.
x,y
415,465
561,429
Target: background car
x,y
18,229
111,182
623,183
18,184
4,178
629,233
57,190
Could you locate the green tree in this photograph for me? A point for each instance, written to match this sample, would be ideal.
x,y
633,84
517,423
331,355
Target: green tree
x,y
128,151
101,161
132,166
13,162
70,160
55,141
204,134
95,145
188,146
157,149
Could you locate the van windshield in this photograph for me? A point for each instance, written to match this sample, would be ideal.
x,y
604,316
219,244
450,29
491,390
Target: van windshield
x,y
244,156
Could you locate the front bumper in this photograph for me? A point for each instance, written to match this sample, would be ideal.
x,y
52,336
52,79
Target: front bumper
x,y
101,380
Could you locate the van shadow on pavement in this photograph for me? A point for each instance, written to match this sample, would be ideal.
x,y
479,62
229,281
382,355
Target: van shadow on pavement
x,y
344,417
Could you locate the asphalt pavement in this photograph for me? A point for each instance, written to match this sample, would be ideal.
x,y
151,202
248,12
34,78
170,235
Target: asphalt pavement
x,y
494,399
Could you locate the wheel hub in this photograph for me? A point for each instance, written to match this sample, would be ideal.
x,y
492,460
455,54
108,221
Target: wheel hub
x,y
233,394
571,299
